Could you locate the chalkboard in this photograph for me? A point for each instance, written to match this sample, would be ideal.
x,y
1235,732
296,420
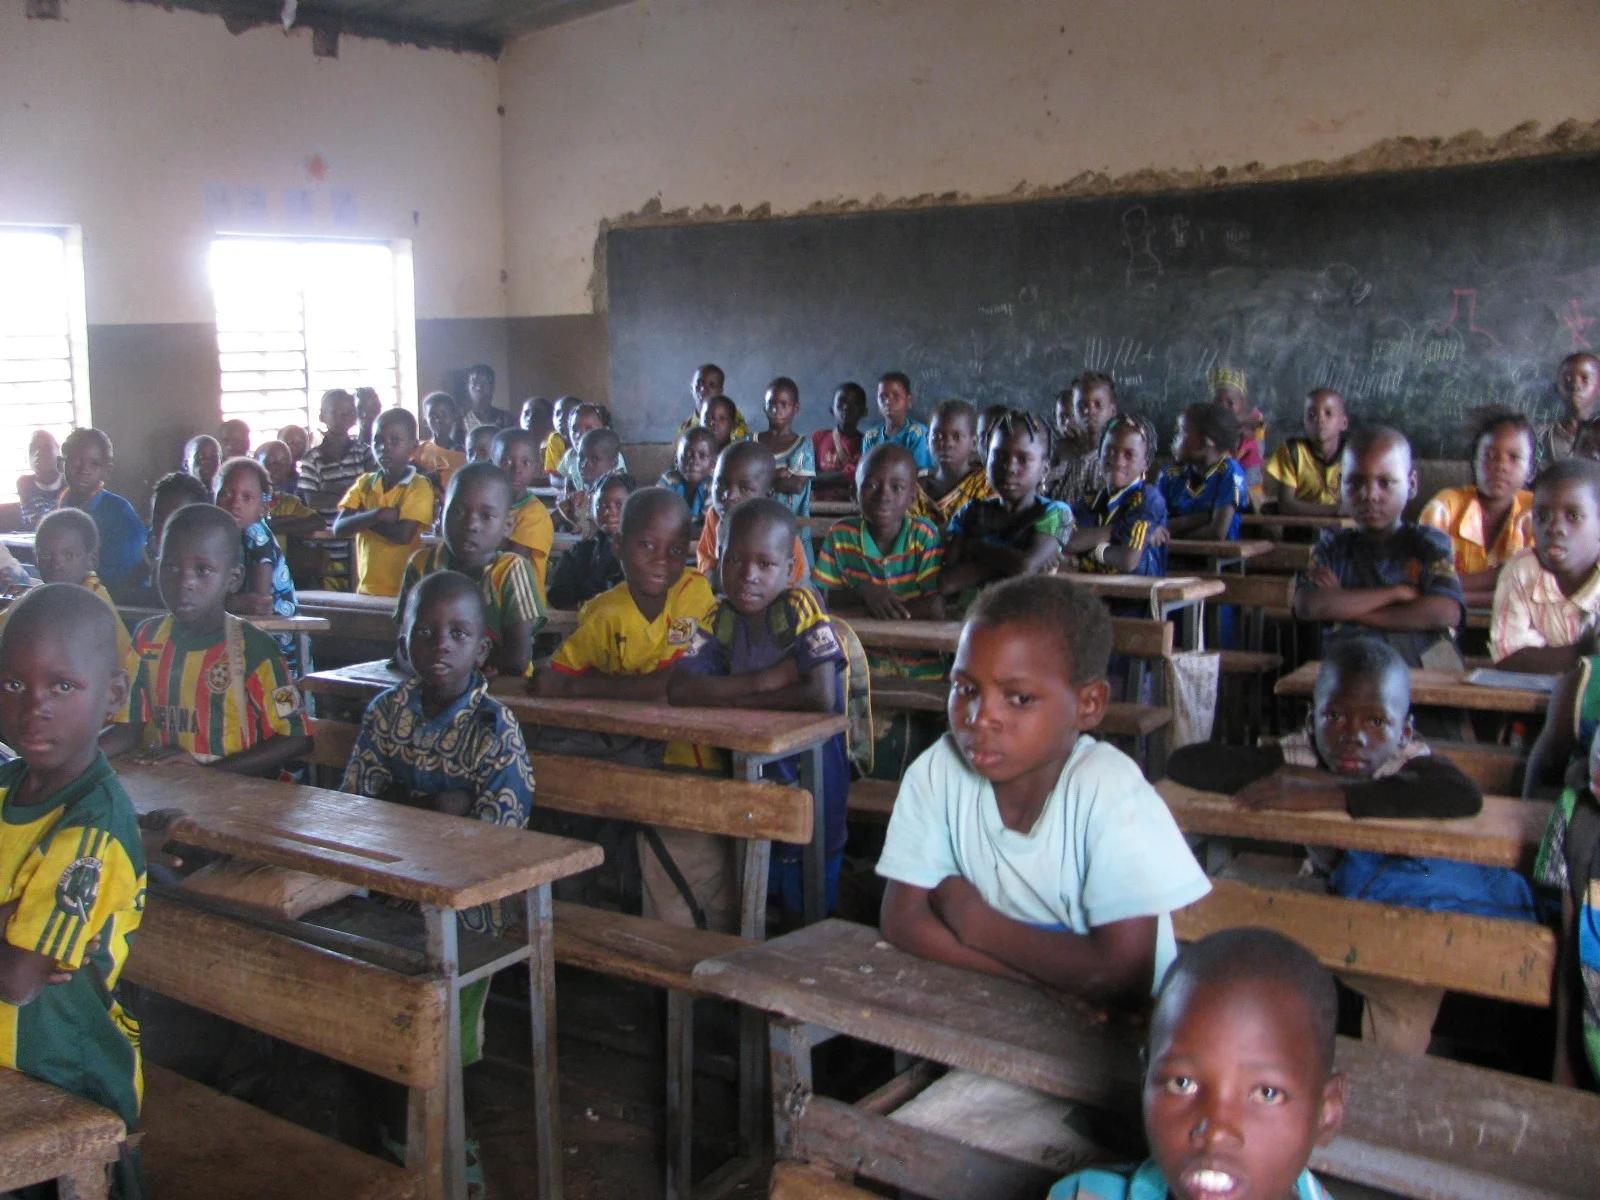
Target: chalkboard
x,y
1419,296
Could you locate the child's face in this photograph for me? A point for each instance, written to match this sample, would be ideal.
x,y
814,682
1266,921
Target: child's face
x,y
951,438
736,483
520,460
338,414
202,459
56,693
720,421
1232,399
1013,711
446,643
62,557
476,521
582,423
197,573
706,385
1190,445
1566,528
368,406
235,440
595,461
1063,416
394,446
653,552
44,455
1502,462
480,444
525,414
782,405
1360,724
441,418
1124,458
295,438
1325,419
480,389
756,565
279,465
894,403
563,411
608,507
1094,407
1235,1096
1377,483
848,409
1017,463
88,466
240,496
887,490
696,456
1579,383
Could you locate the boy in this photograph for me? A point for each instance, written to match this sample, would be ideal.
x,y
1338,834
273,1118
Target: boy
x,y
1578,384
72,867
327,473
1205,489
387,510
894,405
796,465
1547,601
206,685
1116,530
1087,407
709,383
202,455
768,644
838,450
723,421
1388,576
39,490
88,457
1303,473
743,472
533,533
1019,845
591,567
172,491
65,550
1360,756
480,444
1239,1084
234,438
477,517
288,516
599,453
954,482
585,419
480,400
296,438
442,454
690,476
556,445
368,406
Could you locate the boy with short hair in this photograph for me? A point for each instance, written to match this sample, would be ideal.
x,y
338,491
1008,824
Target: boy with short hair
x,y
388,509
368,406
205,684
479,409
1082,412
1302,476
591,567
328,471
172,491
39,489
1547,600
838,450
1578,384
202,455
533,533
556,445
477,516
1240,1085
599,453
899,425
72,866
443,453
66,550
710,383
234,438
297,439
954,482
288,515
690,475
744,471
768,644
88,457
1388,576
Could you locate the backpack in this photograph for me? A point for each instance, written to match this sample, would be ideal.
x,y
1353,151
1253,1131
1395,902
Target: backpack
x,y
857,675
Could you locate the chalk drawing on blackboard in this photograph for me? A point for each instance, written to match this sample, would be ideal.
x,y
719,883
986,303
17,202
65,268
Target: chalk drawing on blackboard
x,y
1178,230
1340,283
1577,324
1236,237
1144,268
1470,298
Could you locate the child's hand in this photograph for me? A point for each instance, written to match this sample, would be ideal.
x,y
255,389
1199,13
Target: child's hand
x,y
1320,576
958,903
884,604
1160,536
154,831
1284,793
166,754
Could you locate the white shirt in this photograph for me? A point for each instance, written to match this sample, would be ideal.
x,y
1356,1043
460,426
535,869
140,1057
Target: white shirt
x,y
1530,609
1104,849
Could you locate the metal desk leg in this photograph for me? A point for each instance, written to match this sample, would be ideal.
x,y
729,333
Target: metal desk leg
x,y
815,864
542,1010
440,925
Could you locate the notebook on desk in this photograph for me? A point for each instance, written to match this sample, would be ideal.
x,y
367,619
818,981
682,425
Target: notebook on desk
x,y
1489,677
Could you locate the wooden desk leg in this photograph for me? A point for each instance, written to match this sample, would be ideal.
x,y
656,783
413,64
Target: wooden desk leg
x,y
90,1183
542,1013
440,924
680,1093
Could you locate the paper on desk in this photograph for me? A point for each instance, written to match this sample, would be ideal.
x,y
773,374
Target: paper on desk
x,y
1487,677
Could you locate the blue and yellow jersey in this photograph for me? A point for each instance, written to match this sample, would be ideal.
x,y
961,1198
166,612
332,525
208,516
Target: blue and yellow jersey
x,y
1132,514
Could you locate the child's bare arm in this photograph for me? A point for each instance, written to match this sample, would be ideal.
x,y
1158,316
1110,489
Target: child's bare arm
x,y
1190,524
364,520
781,686
876,600
515,648
296,526
1291,505
1547,761
266,755
1423,612
1540,660
1326,599
910,924
1221,521
23,973
255,597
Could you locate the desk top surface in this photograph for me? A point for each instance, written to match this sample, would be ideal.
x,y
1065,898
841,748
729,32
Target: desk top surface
x,y
1434,688
1172,589
1285,521
266,622
413,853
1219,548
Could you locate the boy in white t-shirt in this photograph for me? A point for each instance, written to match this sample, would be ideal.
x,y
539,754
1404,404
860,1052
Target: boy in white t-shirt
x,y
1020,845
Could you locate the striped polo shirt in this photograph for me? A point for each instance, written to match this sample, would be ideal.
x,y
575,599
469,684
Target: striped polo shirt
x,y
850,557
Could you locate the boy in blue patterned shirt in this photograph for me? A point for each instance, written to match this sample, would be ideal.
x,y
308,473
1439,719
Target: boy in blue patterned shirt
x,y
899,426
1205,489
1117,528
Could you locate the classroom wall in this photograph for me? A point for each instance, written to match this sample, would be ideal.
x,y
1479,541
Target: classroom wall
x,y
710,108
153,129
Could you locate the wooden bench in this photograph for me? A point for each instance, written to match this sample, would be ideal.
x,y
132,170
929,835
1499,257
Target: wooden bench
x,y
380,1020
352,617
47,1133
794,1181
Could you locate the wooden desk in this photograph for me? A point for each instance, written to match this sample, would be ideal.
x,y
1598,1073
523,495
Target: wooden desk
x,y
834,508
444,864
1460,1131
20,545
1184,594
1134,636
1479,618
301,626
47,1133
1221,554
1275,521
1439,689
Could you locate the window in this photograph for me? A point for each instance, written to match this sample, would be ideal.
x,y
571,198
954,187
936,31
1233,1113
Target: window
x,y
44,365
296,317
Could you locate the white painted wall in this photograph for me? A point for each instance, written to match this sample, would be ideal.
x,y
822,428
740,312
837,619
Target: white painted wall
x,y
120,118
794,102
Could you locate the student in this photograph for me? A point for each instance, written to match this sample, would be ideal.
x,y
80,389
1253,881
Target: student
x,y
234,438
66,549
1205,489
1489,519
480,409
442,454
1230,391
1548,597
592,566
599,453
533,533
480,444
1082,413
202,455
1018,532
723,420
1115,531
287,516
838,450
585,419
477,516
690,476
88,457
1240,1085
297,439
206,685
1360,756
1302,476
1569,861
954,482
74,877
1587,443
1578,384
244,492
1388,576
368,406
557,444
172,491
327,473
989,416
39,490
387,510
796,462
708,383
770,645
984,856
743,472
899,425
536,415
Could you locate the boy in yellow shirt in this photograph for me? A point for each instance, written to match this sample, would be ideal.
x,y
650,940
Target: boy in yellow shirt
x,y
533,533
66,550
387,509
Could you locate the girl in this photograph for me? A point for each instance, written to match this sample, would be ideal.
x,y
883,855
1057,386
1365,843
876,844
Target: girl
x,y
244,492
1489,519
1018,532
39,491
795,458
591,566
955,482
1230,390
1116,529
1086,407
122,535
838,450
1205,488
691,477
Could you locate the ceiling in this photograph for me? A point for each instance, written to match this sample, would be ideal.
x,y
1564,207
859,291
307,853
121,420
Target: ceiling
x,y
477,26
